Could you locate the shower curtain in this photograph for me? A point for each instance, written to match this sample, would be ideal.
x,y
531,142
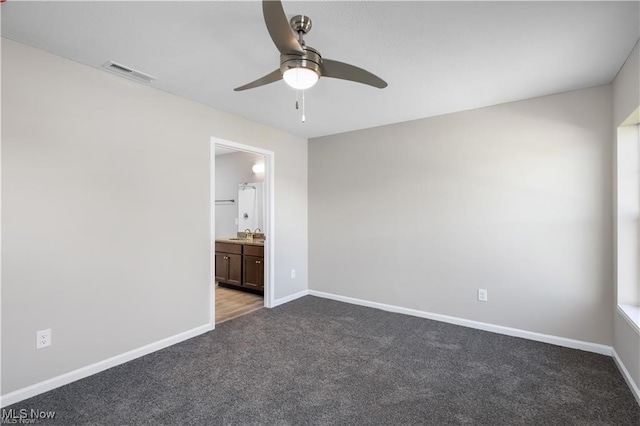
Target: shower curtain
x,y
247,208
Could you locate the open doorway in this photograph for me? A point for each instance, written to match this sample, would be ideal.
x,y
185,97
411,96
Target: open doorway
x,y
241,229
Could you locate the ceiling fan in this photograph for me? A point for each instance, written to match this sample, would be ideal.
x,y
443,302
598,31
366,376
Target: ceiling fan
x,y
300,65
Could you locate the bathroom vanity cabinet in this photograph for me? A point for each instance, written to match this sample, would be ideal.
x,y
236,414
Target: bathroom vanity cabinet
x,y
240,265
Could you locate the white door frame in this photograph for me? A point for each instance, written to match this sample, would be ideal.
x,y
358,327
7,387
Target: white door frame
x,y
269,228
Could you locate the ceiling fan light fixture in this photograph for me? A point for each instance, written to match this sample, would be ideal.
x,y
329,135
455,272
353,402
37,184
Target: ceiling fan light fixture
x,y
300,78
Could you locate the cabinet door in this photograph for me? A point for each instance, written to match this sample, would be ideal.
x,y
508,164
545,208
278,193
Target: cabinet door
x,y
222,267
253,272
234,262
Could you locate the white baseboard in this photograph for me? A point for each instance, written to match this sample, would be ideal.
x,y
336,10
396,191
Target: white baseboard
x,y
627,377
89,370
539,337
289,298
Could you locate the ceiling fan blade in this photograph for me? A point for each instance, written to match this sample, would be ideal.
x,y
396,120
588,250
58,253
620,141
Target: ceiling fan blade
x,y
344,71
279,29
269,78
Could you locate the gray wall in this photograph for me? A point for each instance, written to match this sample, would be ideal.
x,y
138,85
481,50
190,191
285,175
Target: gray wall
x,y
231,170
626,99
106,212
515,199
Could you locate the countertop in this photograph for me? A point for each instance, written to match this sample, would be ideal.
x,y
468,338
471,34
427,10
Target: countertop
x,y
248,242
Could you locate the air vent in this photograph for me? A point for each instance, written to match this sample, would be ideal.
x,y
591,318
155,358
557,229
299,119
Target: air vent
x,y
128,72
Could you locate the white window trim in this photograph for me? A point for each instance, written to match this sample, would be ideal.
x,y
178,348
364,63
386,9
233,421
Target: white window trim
x,y
632,315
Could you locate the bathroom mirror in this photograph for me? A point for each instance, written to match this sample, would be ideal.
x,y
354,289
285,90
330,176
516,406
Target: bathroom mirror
x,y
251,206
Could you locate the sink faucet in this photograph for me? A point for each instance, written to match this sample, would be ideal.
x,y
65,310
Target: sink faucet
x,y
248,234
257,230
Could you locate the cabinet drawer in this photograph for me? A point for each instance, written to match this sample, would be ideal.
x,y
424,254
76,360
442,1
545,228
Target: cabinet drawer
x,y
229,248
253,250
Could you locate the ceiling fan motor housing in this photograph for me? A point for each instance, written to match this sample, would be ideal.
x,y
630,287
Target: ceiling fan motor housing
x,y
310,60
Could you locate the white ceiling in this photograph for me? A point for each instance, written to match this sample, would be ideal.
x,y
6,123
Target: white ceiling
x,y
438,57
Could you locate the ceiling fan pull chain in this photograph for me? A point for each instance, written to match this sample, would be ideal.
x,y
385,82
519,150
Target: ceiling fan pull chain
x,y
297,93
303,117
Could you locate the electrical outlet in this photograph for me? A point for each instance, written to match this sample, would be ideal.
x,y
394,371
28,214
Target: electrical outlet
x,y
482,295
43,338
293,274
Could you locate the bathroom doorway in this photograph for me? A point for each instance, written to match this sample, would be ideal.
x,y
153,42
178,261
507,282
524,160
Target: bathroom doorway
x,y
241,229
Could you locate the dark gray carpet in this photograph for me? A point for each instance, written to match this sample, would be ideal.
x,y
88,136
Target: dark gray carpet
x,y
315,361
